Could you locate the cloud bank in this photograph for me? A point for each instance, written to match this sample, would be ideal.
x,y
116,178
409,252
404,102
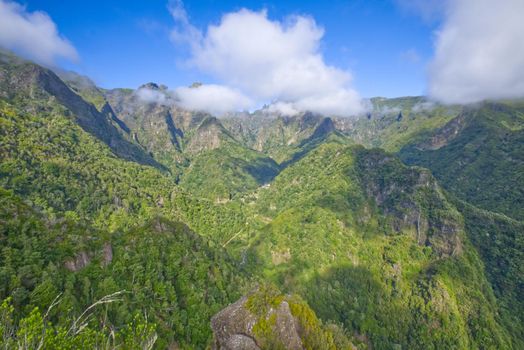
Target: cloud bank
x,y
215,99
265,60
148,95
32,34
479,52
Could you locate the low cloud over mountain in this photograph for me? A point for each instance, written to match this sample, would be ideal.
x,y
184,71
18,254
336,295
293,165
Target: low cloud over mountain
x,y
284,64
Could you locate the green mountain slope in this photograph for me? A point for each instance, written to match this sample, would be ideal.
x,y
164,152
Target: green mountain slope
x,y
500,242
219,167
52,162
279,137
164,271
35,89
392,123
478,156
156,127
84,87
377,246
385,257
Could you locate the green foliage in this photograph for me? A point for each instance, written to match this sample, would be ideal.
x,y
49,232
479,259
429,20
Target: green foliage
x,y
314,335
35,331
500,242
227,171
167,270
278,137
375,247
478,157
383,128
52,162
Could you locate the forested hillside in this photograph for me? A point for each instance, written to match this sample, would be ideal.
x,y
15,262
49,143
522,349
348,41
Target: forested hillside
x,y
127,223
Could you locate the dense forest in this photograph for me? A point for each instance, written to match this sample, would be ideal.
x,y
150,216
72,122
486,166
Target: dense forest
x,y
130,224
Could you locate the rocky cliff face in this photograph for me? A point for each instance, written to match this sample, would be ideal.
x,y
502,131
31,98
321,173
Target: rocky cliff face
x,y
410,198
208,136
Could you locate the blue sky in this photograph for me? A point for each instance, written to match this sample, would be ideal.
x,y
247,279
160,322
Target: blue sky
x,y
126,43
292,56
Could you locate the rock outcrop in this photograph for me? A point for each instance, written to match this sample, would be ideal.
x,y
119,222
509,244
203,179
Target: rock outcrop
x,y
266,319
84,258
235,327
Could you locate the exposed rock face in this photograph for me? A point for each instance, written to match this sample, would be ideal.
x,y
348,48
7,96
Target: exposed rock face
x,y
234,328
80,261
83,258
446,134
324,128
107,254
412,199
208,136
240,341
232,322
286,327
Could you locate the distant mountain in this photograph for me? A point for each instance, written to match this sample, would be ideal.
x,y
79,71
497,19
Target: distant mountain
x,y
391,123
276,136
220,167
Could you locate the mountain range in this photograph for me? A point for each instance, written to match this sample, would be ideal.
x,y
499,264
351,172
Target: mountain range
x,y
127,221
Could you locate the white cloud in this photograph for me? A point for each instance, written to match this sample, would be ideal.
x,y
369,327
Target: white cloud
x,y
32,34
148,95
282,108
424,106
183,32
479,52
215,99
269,60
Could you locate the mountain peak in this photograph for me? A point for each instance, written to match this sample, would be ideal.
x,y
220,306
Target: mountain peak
x,y
153,86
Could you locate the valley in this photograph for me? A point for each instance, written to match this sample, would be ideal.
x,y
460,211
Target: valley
x,y
400,228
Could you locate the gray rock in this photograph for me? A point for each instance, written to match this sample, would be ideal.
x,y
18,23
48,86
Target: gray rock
x,y
233,328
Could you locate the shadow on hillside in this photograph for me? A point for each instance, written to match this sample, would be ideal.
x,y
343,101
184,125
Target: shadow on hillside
x,y
262,170
354,297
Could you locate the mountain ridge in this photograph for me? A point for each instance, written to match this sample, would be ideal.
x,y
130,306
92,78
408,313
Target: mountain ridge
x,y
380,253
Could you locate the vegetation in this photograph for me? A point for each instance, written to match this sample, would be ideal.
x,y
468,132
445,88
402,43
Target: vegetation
x,y
376,246
479,157
227,171
151,237
166,272
500,242
264,302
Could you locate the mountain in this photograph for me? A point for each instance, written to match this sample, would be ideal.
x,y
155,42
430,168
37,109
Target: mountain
x,y
364,239
277,136
84,87
478,156
39,90
159,269
221,167
391,123
176,229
